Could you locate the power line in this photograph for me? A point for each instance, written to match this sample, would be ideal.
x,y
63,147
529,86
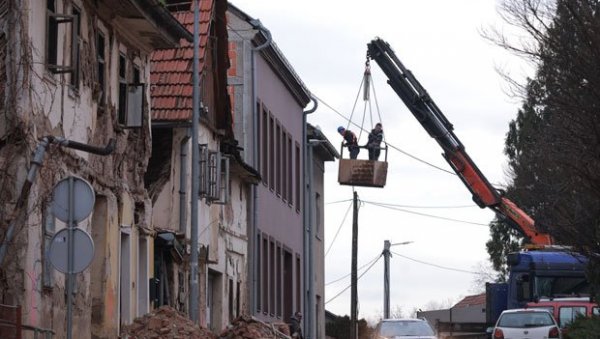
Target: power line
x,y
350,122
347,275
427,215
360,276
434,265
338,230
421,206
337,202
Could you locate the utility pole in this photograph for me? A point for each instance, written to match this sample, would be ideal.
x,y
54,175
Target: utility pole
x,y
194,285
353,293
386,279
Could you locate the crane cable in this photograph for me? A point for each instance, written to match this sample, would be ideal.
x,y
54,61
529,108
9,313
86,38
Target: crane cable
x,y
366,86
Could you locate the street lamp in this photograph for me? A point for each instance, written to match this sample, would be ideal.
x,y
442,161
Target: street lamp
x,y
386,275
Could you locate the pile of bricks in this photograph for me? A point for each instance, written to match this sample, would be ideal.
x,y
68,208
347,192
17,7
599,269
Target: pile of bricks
x,y
246,327
165,322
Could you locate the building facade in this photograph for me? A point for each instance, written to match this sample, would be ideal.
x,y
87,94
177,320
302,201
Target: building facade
x,y
225,179
74,79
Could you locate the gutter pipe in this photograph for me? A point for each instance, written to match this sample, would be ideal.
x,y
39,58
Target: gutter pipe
x,y
309,282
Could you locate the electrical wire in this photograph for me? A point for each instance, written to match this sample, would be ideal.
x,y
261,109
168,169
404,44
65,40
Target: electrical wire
x,y
421,206
434,265
350,122
358,278
337,202
338,230
358,269
427,215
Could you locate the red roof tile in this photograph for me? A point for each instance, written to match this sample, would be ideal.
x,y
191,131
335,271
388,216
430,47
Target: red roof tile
x,y
471,300
171,70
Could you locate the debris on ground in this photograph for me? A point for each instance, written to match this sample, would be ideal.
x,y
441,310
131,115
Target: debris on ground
x,y
165,322
247,327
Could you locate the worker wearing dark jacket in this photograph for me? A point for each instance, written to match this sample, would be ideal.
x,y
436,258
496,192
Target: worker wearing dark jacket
x,y
374,142
350,141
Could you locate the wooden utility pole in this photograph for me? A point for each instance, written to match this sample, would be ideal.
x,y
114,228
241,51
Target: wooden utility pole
x,y
353,276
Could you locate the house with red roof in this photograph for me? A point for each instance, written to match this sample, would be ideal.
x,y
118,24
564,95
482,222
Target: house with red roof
x,y
225,177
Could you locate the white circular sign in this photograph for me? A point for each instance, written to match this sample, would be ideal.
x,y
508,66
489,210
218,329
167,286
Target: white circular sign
x,y
83,199
83,250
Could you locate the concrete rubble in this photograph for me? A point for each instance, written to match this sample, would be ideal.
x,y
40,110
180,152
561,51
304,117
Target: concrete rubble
x,y
167,323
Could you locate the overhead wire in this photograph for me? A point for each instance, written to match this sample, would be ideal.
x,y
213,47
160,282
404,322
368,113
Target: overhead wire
x,y
358,278
427,215
338,230
434,265
358,269
423,206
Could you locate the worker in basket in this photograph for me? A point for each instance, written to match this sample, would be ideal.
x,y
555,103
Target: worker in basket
x,y
350,141
374,142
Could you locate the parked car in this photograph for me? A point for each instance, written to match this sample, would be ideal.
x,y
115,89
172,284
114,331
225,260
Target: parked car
x,y
526,323
404,329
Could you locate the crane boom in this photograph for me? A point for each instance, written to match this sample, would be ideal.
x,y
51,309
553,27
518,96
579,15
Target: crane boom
x,y
418,101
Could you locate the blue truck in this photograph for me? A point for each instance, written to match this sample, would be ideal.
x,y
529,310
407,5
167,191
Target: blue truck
x,y
541,271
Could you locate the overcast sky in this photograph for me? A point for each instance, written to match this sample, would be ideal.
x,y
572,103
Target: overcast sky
x,y
440,41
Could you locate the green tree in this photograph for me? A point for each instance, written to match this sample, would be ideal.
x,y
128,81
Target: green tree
x,y
553,145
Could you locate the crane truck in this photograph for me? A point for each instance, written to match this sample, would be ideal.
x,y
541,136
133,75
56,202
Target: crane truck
x,y
543,271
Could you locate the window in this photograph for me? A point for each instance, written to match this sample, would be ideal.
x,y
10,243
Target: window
x,y
230,301
317,214
272,286
53,21
271,153
298,284
290,169
566,315
298,175
284,163
278,161
131,96
122,108
278,276
265,145
258,273
75,42
101,65
265,273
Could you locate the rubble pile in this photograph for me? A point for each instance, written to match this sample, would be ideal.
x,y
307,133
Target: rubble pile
x,y
247,327
165,322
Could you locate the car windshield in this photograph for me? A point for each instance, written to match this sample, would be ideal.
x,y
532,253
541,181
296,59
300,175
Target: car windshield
x,y
525,319
407,328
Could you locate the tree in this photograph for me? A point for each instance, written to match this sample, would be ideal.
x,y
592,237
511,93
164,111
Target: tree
x,y
553,145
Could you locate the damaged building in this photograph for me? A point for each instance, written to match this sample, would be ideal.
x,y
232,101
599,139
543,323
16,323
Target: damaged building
x,y
75,101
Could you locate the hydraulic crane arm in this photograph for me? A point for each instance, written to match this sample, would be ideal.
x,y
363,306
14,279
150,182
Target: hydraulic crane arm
x,y
435,123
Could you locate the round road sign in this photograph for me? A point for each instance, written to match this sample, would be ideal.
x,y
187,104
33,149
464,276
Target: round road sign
x,y
83,199
83,250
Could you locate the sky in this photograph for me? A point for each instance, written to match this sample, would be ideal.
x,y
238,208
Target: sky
x,y
440,41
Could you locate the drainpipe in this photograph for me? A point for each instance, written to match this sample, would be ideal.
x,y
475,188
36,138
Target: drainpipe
x,y
183,165
256,24
309,282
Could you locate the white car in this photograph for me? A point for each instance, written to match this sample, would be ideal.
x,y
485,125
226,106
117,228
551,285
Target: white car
x,y
526,324
404,329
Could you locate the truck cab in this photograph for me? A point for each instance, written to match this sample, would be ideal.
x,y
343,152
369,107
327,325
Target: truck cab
x,y
540,274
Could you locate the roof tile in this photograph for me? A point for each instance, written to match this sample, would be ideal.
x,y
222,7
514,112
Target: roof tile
x,y
171,70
